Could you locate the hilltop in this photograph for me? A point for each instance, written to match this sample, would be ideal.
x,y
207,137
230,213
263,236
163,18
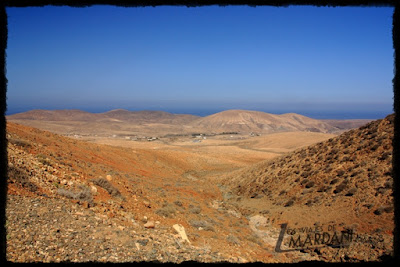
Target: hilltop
x,y
256,121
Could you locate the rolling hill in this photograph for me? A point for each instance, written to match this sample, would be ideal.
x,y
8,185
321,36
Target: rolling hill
x,y
124,122
261,122
121,115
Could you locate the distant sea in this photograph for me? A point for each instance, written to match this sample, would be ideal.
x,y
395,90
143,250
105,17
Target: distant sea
x,y
339,115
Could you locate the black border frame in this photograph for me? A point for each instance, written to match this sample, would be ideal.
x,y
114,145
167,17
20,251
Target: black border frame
x,y
253,3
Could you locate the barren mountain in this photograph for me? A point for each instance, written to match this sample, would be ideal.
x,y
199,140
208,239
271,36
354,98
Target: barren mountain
x,y
124,122
54,115
121,115
346,180
147,116
261,122
119,121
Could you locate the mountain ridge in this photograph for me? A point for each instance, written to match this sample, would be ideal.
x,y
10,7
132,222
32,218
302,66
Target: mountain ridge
x,y
234,120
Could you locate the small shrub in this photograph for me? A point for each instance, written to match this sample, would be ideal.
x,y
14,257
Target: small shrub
x,y
104,183
368,205
334,181
21,177
167,210
84,194
305,174
317,199
374,147
354,173
233,239
43,159
388,209
194,209
385,155
19,142
310,184
255,195
389,184
306,191
289,203
305,181
340,187
203,224
381,190
351,192
388,173
340,173
178,203
253,238
379,211
334,151
321,189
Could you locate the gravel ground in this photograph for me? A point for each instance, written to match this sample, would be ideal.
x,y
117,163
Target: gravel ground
x,y
56,230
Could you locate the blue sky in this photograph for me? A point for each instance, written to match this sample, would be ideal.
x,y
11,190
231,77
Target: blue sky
x,y
317,61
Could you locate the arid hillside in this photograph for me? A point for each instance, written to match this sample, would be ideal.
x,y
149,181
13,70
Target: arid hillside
x,y
119,122
113,115
256,121
114,199
78,201
158,123
343,125
346,181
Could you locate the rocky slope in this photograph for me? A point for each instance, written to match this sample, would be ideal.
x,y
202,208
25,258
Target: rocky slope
x,y
345,181
69,200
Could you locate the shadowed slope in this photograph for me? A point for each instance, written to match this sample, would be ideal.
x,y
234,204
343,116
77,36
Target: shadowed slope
x,y
351,172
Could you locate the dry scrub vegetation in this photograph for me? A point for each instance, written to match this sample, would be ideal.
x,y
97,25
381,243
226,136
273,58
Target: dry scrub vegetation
x,y
356,166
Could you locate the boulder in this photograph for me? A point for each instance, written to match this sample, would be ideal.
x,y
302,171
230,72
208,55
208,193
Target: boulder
x,y
149,224
93,189
181,231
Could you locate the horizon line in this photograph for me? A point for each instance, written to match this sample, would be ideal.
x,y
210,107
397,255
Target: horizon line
x,y
212,111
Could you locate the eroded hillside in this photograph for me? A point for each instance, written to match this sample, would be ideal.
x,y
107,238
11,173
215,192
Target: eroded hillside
x,y
70,200
344,181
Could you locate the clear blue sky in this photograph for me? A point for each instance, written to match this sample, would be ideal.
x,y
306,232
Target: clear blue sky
x,y
317,61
